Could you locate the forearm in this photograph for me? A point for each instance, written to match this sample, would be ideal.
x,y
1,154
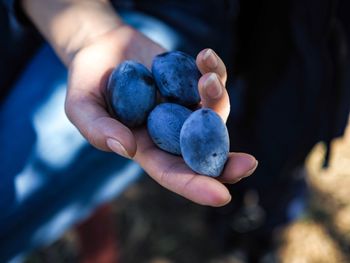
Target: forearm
x,y
68,25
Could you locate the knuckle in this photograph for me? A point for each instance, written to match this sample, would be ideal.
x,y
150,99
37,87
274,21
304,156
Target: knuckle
x,y
89,134
69,107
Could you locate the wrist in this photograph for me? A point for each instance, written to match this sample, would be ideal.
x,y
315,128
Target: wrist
x,y
70,25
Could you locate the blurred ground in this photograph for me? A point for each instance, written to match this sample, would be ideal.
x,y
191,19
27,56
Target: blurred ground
x,y
156,226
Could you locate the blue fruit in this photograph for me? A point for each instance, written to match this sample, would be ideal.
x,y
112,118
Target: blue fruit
x,y
205,142
164,126
177,75
131,93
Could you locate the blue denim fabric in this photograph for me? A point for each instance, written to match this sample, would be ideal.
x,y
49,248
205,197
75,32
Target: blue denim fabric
x,y
50,176
10,5
17,45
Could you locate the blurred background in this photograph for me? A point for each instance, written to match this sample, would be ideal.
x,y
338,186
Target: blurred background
x,y
156,226
147,223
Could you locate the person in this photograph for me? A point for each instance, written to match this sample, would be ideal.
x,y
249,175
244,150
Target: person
x,y
287,84
33,181
90,54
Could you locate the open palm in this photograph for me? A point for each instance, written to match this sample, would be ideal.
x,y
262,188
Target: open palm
x,y
86,108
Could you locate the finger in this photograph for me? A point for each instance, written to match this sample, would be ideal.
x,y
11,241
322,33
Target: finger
x,y
172,173
238,166
214,95
88,114
208,61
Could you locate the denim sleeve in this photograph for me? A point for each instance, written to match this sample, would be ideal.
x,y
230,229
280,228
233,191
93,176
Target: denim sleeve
x,y
15,12
9,3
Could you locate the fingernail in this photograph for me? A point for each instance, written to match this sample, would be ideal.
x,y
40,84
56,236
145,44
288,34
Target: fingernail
x,y
228,200
116,147
212,86
251,171
210,59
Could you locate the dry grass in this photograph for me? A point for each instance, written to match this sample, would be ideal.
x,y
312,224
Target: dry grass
x,y
325,237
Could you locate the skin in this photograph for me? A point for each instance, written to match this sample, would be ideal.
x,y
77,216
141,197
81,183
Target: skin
x,y
91,40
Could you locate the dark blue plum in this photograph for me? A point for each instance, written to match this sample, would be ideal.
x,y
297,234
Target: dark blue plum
x,y
205,142
177,75
131,93
164,126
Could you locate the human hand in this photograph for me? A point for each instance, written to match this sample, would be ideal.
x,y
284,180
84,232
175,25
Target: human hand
x,y
91,39
86,108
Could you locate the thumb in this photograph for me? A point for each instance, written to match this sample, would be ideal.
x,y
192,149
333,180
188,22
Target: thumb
x,y
86,112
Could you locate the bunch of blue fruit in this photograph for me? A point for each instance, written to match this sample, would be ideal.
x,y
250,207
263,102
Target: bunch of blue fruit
x,y
199,136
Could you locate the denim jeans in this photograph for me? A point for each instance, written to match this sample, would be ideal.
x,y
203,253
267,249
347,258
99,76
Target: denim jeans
x,y
51,178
